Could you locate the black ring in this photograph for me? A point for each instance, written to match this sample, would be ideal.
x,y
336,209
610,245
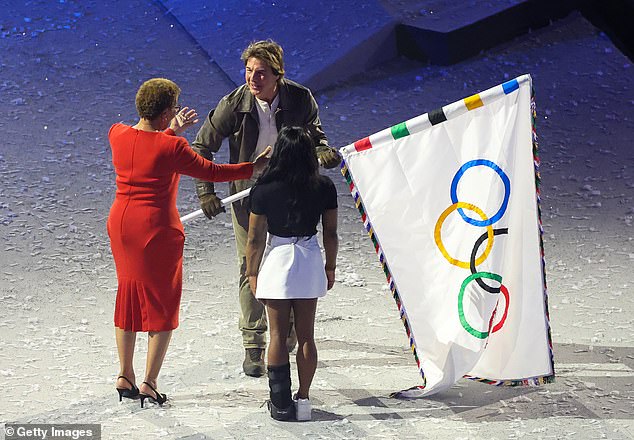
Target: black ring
x,y
474,251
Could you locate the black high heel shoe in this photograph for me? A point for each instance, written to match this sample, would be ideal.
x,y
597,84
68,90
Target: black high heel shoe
x,y
160,398
129,393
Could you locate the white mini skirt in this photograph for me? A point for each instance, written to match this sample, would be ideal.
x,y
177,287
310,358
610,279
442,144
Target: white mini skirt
x,y
292,268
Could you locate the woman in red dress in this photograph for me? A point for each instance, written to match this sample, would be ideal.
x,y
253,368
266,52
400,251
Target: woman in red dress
x,y
146,235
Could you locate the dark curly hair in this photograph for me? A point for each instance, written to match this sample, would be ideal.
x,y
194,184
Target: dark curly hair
x,y
154,96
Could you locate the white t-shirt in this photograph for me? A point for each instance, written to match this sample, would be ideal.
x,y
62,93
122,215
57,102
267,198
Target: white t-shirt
x,y
268,129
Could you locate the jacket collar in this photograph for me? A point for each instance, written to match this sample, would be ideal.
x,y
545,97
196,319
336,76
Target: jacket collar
x,y
247,103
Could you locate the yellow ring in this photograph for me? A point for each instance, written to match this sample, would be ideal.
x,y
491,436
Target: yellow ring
x,y
438,239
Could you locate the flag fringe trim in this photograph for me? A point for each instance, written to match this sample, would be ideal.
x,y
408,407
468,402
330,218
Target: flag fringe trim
x,y
418,390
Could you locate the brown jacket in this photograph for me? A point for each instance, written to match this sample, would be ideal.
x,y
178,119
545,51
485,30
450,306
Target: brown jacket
x,y
236,118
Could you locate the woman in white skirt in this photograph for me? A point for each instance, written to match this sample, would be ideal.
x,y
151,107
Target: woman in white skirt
x,y
286,269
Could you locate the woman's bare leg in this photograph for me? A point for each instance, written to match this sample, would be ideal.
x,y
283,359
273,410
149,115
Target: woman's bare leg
x,y
157,348
304,310
278,311
125,347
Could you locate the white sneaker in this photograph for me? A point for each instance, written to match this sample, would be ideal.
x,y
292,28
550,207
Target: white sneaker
x,y
303,409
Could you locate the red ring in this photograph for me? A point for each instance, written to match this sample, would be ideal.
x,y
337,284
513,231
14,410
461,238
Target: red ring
x,y
499,325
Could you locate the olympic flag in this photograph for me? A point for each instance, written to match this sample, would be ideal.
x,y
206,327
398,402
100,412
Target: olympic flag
x,y
450,200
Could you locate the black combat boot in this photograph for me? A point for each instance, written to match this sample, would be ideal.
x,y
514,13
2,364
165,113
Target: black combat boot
x,y
253,364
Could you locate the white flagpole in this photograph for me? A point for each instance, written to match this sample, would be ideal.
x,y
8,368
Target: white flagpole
x,y
226,201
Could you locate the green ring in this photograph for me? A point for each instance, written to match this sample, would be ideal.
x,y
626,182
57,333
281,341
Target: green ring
x,y
463,320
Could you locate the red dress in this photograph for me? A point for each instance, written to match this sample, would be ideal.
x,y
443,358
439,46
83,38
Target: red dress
x,y
146,234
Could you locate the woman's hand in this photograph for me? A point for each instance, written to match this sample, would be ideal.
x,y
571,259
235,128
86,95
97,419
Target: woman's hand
x,y
330,276
253,283
261,162
184,119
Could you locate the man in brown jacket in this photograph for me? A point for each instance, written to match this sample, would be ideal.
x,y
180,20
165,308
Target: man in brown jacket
x,y
250,117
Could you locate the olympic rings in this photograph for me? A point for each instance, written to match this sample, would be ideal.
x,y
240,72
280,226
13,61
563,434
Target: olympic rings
x,y
507,191
492,276
441,246
488,236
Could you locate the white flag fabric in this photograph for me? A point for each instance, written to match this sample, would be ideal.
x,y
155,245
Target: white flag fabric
x,y
450,200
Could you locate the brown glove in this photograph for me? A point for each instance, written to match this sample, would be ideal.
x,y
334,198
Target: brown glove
x,y
211,205
329,157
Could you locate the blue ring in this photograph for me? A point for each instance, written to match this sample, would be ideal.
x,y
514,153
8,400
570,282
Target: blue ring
x,y
507,191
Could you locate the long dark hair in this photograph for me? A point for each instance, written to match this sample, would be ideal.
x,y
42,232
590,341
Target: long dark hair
x,y
294,162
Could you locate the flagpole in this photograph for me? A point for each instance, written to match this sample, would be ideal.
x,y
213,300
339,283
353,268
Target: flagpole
x,y
226,201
